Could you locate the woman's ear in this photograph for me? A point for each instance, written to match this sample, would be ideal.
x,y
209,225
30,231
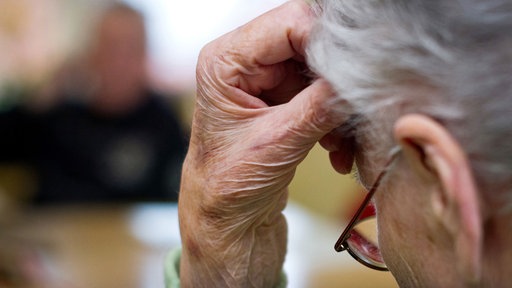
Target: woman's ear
x,y
436,156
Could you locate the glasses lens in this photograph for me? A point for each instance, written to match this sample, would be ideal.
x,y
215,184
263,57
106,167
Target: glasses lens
x,y
363,244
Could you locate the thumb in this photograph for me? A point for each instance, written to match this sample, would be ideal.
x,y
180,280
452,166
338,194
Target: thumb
x,y
314,112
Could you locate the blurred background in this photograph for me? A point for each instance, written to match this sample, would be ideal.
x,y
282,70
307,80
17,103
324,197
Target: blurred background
x,y
95,106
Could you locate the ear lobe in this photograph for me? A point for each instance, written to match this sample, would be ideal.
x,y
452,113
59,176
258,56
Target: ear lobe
x,y
436,156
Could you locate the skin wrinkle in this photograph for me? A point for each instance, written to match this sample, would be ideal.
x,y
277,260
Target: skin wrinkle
x,y
290,153
413,278
258,66
296,78
234,84
219,121
243,75
230,189
238,268
274,73
224,209
236,211
369,69
229,278
236,75
207,260
288,159
225,203
305,36
253,276
231,274
224,108
225,130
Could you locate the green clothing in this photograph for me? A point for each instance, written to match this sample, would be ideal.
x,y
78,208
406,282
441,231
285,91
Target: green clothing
x,y
172,271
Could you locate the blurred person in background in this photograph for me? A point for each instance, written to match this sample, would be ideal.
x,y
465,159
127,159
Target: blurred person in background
x,y
108,137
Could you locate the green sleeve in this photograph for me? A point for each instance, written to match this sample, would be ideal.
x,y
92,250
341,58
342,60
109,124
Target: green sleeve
x,y
172,270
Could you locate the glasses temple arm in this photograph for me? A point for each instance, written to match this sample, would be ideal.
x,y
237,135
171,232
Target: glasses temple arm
x,y
339,246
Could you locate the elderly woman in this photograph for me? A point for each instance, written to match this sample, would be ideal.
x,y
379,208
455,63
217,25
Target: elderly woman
x,y
418,98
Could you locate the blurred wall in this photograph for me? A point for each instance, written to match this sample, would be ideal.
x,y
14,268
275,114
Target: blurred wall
x,y
37,35
321,189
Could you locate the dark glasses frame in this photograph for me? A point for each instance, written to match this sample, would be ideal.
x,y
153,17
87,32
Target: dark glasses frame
x,y
349,232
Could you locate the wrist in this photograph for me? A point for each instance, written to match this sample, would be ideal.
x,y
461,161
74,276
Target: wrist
x,y
255,260
221,251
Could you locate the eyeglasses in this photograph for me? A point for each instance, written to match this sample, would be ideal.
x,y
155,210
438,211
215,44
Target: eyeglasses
x,y
353,240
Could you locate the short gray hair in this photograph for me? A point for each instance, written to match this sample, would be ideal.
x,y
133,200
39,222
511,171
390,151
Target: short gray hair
x,y
372,51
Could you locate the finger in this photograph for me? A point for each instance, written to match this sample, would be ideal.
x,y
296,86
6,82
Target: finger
x,y
251,58
297,77
341,147
313,113
275,36
331,141
342,160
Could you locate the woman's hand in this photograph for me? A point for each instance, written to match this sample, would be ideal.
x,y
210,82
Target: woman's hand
x,y
257,116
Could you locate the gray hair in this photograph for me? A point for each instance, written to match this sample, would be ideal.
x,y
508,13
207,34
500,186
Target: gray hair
x,y
373,52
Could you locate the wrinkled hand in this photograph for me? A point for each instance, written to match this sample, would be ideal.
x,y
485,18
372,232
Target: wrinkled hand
x,y
257,116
